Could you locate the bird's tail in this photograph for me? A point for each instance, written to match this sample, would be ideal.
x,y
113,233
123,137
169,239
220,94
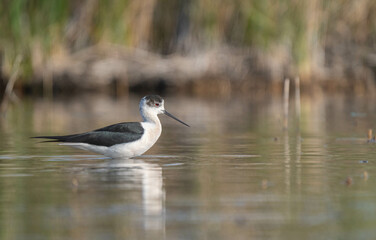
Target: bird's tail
x,y
52,138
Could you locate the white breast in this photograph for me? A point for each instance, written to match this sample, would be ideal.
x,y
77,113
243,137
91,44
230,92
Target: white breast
x,y
152,131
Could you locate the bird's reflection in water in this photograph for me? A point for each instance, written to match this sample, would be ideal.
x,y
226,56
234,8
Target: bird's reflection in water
x,y
148,176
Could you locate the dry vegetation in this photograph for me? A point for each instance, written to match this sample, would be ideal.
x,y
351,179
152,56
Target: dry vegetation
x,y
197,45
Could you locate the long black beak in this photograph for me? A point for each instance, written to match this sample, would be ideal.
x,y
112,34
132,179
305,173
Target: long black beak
x,y
172,116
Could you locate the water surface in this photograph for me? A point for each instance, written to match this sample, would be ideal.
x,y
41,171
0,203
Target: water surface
x,y
235,174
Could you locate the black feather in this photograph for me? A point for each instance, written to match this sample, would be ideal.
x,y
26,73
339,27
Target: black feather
x,y
107,136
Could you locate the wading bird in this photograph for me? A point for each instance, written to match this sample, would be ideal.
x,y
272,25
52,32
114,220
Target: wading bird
x,y
127,139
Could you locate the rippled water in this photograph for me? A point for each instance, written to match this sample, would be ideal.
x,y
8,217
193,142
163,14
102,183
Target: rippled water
x,y
235,174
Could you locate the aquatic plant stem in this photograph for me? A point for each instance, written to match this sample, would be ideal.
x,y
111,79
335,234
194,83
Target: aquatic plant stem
x,y
286,92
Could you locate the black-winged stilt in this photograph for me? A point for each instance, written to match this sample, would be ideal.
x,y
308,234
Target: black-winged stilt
x,y
127,139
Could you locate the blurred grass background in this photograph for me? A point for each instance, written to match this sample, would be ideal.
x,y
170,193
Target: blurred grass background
x,y
306,37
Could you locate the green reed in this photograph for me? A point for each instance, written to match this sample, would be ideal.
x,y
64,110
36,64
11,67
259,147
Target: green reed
x,y
292,29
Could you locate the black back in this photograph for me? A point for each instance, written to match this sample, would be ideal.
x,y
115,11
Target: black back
x,y
107,136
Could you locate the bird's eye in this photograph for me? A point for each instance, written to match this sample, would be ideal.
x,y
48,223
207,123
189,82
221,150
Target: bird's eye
x,y
157,104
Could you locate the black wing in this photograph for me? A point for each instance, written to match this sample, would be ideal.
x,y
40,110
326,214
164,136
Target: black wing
x,y
125,127
107,136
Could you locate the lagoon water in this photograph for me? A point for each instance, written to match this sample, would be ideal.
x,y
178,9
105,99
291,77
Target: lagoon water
x,y
235,174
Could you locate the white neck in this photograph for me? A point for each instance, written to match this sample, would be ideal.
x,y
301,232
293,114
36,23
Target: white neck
x,y
149,117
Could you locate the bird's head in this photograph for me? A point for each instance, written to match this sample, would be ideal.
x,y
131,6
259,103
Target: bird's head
x,y
152,105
